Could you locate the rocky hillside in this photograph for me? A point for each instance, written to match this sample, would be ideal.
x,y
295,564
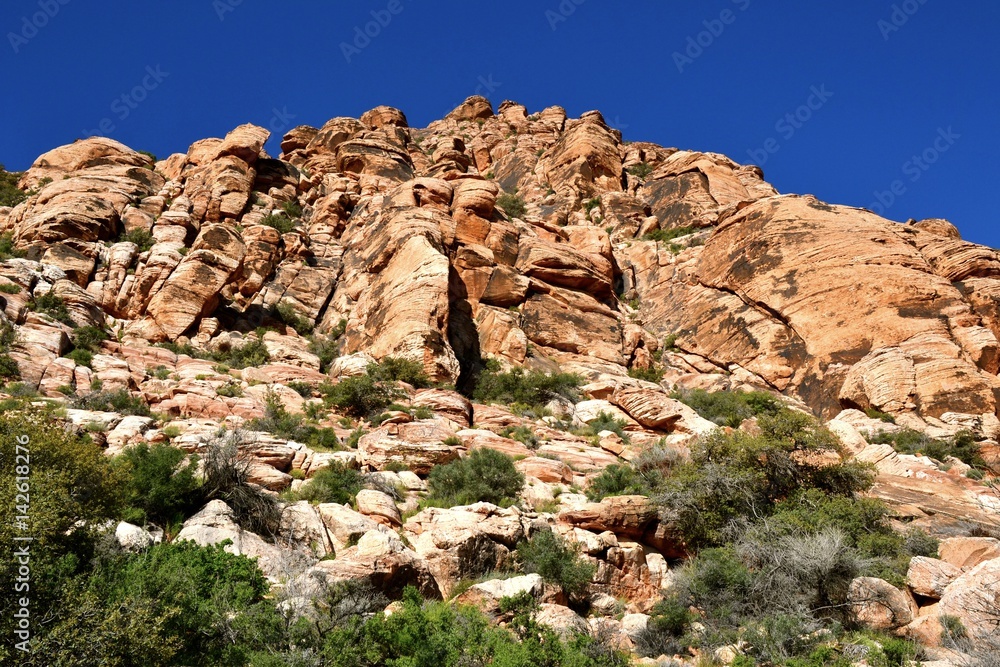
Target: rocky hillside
x,y
366,301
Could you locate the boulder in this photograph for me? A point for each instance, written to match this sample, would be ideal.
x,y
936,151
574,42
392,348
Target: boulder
x,y
930,576
966,552
880,605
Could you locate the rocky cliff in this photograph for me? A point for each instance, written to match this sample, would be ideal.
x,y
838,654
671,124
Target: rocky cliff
x,y
535,240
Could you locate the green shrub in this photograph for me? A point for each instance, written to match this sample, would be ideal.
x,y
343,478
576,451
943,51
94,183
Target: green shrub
x,y
641,170
327,348
279,221
81,357
292,209
738,476
654,373
360,395
437,634
10,288
608,422
278,421
512,204
335,483
556,561
7,248
485,475
10,194
615,480
251,353
9,369
666,235
141,237
962,446
201,597
89,338
729,408
231,389
396,369
303,389
591,204
120,401
287,313
532,388
160,483
51,305
522,434
665,633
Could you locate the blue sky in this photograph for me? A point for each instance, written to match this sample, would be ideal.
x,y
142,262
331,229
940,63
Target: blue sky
x,y
903,95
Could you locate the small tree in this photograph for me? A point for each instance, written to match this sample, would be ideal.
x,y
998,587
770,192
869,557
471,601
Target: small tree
x,y
485,475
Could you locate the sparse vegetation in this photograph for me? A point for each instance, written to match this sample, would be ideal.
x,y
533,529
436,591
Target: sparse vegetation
x,y
531,388
666,235
287,313
279,221
120,401
485,475
10,194
729,408
962,446
52,305
140,237
641,170
556,561
335,483
512,204
253,352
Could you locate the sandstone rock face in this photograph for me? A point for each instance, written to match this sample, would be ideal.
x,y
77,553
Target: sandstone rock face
x,y
929,577
972,598
879,604
521,239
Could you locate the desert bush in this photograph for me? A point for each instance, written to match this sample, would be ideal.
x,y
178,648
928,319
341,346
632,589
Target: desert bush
x,y
251,353
729,408
606,421
89,338
485,475
200,596
119,400
279,221
653,373
81,357
52,305
287,313
141,237
10,194
641,170
556,561
738,476
437,634
160,483
231,389
532,388
665,235
522,434
396,369
9,369
303,389
512,204
292,209
335,483
360,395
615,480
962,446
227,468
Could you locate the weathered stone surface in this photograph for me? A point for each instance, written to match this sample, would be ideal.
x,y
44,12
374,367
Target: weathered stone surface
x,y
380,506
419,445
973,598
966,552
880,605
930,576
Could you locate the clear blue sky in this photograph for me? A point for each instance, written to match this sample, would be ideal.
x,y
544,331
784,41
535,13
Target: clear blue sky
x,y
895,92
